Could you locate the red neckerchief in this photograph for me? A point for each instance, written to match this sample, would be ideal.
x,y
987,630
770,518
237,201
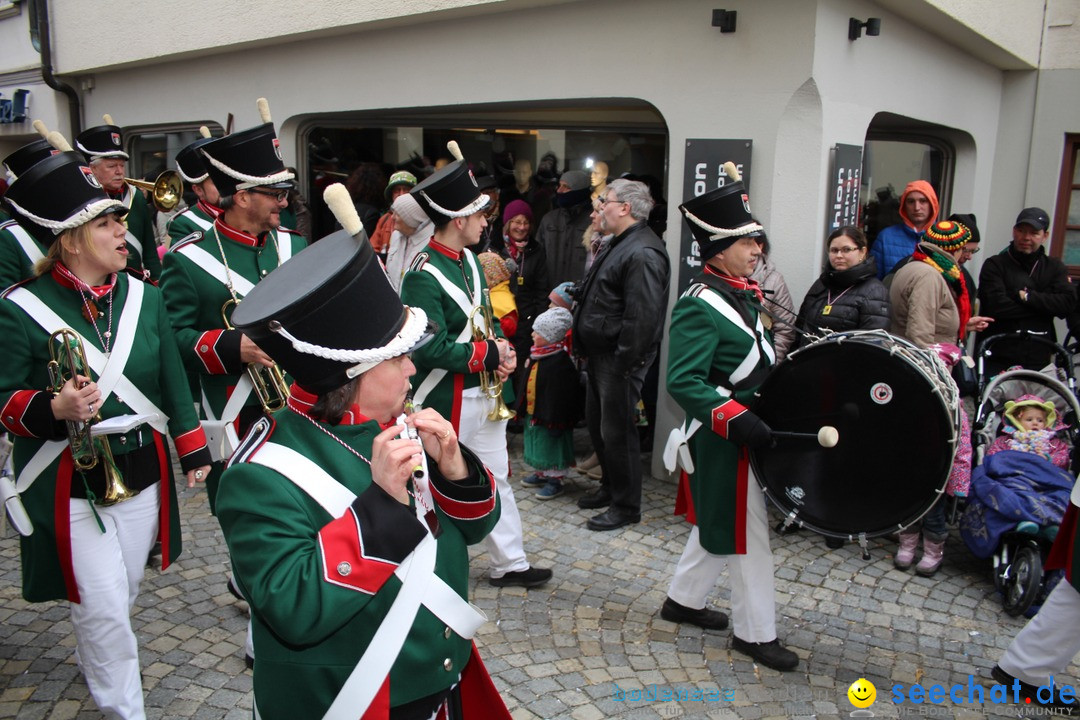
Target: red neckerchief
x,y
302,401
65,278
443,250
542,351
739,283
212,210
239,236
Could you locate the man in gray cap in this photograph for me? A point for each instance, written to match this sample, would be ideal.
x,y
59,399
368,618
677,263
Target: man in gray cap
x,y
1023,288
562,229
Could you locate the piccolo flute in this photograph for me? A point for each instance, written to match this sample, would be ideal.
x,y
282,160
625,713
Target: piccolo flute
x,y
409,432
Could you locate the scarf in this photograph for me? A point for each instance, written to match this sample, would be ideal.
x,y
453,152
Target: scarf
x,y
950,271
541,351
738,283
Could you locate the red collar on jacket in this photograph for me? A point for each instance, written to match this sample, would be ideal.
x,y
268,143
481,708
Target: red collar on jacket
x,y
443,250
239,236
302,401
212,210
68,279
739,283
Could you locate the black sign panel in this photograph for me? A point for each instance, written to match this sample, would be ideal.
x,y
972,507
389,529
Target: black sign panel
x,y
843,207
703,170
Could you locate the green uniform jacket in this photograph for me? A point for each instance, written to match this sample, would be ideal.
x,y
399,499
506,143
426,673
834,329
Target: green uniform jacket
x,y
199,218
140,224
312,620
15,264
710,348
153,366
462,361
194,298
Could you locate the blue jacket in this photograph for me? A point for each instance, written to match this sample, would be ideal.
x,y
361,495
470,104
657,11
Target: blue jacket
x,y
892,245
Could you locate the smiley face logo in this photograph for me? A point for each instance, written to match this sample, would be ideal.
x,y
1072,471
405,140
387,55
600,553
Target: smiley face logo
x,y
862,693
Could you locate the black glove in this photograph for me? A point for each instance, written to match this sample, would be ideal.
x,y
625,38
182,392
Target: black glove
x,y
748,429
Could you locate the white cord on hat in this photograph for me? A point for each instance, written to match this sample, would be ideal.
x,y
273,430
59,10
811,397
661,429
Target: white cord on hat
x,y
248,181
190,180
413,329
85,215
478,204
718,232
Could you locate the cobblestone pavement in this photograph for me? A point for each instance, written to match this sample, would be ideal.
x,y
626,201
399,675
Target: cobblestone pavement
x,y
589,645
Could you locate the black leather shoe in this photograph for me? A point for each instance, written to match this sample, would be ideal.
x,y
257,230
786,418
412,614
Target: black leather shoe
x,y
527,578
612,519
834,543
1030,692
770,654
594,501
234,590
703,618
249,662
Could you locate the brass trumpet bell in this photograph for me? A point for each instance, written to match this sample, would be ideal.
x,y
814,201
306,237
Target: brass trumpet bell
x,y
490,384
166,191
68,359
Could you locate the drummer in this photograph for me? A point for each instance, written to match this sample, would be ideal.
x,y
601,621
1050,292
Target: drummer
x,y
718,341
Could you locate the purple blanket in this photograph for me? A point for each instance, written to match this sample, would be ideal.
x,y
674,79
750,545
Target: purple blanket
x,y
1008,487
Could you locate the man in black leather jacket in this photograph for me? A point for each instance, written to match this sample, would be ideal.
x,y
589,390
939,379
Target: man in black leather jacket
x,y
618,322
1023,288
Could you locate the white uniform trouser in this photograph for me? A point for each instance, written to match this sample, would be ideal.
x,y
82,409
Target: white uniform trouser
x,y
1049,642
108,569
753,602
488,440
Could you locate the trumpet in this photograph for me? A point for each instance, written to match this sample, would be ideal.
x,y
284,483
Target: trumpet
x,y
268,382
490,385
166,191
86,450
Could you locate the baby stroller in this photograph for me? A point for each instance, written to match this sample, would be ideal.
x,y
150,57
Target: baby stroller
x,y
1017,499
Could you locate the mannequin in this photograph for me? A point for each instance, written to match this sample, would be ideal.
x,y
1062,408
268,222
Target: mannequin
x,y
599,178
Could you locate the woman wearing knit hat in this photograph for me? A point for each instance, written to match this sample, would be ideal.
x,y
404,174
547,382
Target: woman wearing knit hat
x,y
411,231
528,276
930,306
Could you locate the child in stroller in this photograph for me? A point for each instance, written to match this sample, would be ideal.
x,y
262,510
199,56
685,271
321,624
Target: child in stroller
x,y
1022,482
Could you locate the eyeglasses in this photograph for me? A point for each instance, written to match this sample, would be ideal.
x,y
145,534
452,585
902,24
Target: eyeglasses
x,y
279,195
842,250
601,202
971,251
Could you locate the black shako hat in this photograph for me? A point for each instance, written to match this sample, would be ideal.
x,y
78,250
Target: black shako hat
x,y
330,314
60,193
450,193
27,156
191,164
246,159
720,217
103,141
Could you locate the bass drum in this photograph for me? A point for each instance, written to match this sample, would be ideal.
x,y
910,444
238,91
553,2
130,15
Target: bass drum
x,y
897,412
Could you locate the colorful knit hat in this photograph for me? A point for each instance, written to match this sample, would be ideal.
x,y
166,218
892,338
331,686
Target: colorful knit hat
x,y
560,296
948,235
495,270
1013,408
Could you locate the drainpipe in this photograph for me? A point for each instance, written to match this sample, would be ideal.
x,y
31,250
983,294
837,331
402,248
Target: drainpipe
x,y
44,38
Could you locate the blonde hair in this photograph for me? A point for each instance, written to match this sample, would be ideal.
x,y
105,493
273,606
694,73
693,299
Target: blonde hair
x,y
64,246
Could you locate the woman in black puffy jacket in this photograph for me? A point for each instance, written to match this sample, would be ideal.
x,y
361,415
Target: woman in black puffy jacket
x,y
848,295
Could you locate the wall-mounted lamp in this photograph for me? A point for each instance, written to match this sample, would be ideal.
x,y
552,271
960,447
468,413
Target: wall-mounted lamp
x,y
724,19
854,29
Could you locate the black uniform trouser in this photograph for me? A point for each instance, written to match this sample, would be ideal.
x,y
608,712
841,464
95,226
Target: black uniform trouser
x,y
611,398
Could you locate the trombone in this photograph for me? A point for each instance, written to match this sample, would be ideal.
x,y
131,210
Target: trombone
x,y
268,382
86,450
490,384
166,191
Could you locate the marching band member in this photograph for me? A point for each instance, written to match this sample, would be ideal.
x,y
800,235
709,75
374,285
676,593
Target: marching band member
x,y
446,281
103,147
208,269
22,244
348,533
200,217
79,545
719,353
